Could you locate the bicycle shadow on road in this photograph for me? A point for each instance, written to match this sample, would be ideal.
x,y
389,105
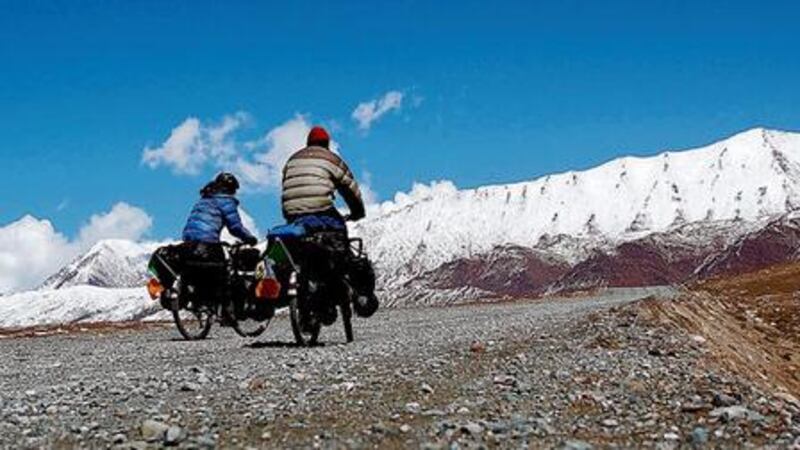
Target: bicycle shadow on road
x,y
280,344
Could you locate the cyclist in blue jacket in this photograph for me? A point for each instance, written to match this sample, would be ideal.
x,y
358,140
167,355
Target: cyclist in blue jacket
x,y
216,210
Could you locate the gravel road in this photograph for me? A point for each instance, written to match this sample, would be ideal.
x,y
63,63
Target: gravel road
x,y
550,373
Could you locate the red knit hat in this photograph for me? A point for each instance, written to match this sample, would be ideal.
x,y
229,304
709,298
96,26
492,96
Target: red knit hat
x,y
318,136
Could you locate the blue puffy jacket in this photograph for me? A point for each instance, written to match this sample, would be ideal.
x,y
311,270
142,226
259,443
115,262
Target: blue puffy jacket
x,y
211,215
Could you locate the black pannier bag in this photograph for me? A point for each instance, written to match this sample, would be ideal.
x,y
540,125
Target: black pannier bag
x,y
197,261
165,264
247,259
202,265
362,275
328,248
331,252
362,279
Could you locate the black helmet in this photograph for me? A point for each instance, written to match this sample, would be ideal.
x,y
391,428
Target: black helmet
x,y
226,183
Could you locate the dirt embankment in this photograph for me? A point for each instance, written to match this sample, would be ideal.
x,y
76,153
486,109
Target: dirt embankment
x,y
95,328
751,323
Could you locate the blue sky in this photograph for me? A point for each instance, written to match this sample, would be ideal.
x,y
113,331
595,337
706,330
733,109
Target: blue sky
x,y
492,91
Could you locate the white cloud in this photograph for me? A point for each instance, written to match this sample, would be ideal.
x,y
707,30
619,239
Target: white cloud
x,y
122,222
31,249
418,192
259,163
264,167
368,112
181,150
191,144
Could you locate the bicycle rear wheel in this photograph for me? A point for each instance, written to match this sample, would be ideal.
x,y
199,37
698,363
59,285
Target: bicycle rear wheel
x,y
305,326
193,323
250,328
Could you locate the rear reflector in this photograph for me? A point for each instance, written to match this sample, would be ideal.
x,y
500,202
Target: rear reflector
x,y
268,289
154,288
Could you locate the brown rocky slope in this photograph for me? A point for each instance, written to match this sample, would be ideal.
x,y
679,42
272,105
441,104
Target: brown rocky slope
x,y
751,323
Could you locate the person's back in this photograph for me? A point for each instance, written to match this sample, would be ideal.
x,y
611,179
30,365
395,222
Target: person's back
x,y
210,215
216,210
311,177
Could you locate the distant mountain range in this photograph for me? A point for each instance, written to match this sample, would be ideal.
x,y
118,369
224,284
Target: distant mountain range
x,y
680,215
631,221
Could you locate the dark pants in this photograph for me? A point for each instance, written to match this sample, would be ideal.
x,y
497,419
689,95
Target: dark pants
x,y
204,252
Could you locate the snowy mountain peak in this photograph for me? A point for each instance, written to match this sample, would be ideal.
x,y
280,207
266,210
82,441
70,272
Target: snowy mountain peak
x,y
109,263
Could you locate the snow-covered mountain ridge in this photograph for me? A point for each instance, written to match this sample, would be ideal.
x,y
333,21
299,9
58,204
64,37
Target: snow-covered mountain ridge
x,y
747,177
76,304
